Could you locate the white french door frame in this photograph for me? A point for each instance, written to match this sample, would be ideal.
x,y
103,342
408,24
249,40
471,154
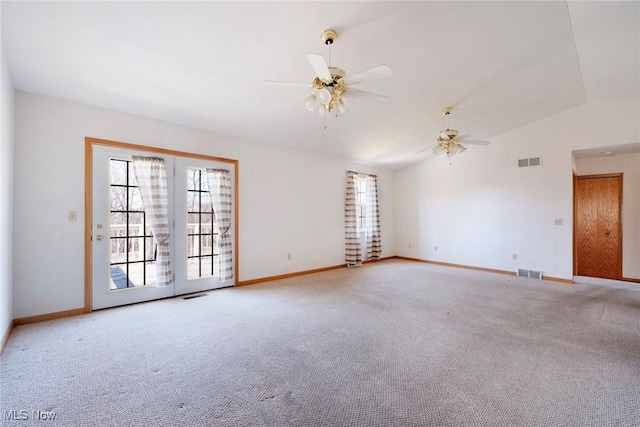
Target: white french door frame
x,y
91,230
184,285
102,295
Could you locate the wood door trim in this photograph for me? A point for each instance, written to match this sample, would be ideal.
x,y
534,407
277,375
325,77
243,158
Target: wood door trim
x,y
598,176
619,176
575,221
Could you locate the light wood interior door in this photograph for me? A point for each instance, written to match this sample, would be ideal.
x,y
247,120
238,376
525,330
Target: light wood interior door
x,y
598,225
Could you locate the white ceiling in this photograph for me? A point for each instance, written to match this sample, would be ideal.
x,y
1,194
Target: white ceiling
x,y
201,64
611,150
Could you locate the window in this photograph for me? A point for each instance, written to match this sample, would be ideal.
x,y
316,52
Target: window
x,y
132,250
361,202
202,235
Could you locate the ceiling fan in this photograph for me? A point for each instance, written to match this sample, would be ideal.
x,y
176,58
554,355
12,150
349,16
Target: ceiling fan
x,y
448,141
332,89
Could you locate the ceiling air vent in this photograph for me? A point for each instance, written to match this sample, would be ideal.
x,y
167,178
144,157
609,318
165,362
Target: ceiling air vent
x,y
533,161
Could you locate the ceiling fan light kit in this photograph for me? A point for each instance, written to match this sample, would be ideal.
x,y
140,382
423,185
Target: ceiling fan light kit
x,y
332,92
448,140
328,93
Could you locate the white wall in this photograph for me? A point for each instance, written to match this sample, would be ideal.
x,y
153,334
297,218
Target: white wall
x,y
289,201
6,196
482,209
629,165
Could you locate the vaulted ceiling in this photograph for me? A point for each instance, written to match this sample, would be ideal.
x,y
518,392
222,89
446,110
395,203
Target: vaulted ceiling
x,y
201,64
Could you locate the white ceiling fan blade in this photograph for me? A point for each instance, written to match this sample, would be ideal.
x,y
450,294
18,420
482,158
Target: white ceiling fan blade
x,y
320,67
288,84
474,142
362,94
379,72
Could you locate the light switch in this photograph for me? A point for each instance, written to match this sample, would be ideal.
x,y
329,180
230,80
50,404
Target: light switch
x,y
73,216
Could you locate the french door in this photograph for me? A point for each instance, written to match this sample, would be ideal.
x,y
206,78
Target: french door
x,y
123,247
196,229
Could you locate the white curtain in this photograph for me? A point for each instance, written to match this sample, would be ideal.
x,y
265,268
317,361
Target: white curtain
x,y
151,175
353,254
374,245
222,201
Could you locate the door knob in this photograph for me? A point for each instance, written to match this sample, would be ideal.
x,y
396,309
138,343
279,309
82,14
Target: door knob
x,y
99,237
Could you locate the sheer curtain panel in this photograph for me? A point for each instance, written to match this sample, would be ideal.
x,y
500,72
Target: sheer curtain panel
x,y
151,175
353,253
222,200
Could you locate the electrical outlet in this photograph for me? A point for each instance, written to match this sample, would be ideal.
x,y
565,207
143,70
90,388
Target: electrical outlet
x,y
289,257
558,221
409,245
73,216
514,256
435,249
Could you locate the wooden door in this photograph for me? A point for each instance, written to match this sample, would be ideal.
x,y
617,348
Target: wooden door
x,y
598,225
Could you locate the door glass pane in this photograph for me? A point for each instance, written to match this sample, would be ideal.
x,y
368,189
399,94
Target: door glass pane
x,y
132,250
118,278
136,224
136,249
135,200
118,198
118,250
118,172
201,233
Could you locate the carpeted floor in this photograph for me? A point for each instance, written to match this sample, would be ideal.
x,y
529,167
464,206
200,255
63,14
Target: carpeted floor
x,y
394,343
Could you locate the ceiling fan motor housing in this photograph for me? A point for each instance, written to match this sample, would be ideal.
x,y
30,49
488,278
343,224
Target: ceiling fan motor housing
x,y
449,133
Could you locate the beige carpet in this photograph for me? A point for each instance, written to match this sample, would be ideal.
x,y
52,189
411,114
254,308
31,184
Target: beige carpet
x,y
394,343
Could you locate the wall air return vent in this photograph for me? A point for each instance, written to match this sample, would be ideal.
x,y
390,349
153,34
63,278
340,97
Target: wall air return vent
x,y
533,274
533,161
